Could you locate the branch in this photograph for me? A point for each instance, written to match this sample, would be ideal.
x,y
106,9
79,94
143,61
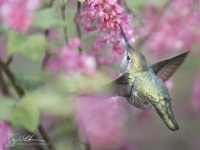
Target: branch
x,y
11,77
46,32
3,84
10,59
21,93
160,14
133,13
46,137
77,25
49,6
62,8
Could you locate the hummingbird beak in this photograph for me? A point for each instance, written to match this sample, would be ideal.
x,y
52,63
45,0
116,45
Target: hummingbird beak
x,y
123,34
128,46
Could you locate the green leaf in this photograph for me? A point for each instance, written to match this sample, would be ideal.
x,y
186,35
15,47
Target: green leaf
x,y
6,106
34,46
26,116
27,84
31,47
81,1
47,18
45,99
15,40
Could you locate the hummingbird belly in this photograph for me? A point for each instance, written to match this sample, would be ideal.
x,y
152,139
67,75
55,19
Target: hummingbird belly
x,y
146,89
138,102
151,87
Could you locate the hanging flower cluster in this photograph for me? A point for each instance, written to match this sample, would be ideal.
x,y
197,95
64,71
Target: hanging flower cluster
x,y
70,61
5,131
18,14
103,125
104,16
176,28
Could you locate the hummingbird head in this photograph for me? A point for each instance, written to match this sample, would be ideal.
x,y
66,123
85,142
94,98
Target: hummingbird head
x,y
133,60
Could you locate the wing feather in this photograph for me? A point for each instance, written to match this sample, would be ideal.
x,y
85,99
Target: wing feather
x,y
166,68
119,86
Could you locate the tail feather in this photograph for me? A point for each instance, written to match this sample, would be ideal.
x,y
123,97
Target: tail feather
x,y
166,114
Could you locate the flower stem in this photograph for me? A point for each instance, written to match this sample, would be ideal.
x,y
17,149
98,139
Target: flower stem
x,y
46,32
141,41
11,77
3,84
46,137
133,13
77,25
62,8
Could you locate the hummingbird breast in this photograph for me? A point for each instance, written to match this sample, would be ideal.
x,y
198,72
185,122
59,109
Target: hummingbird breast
x,y
147,89
136,101
149,86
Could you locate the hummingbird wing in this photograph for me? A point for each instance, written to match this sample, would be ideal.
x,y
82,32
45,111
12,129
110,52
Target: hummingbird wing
x,y
165,68
119,86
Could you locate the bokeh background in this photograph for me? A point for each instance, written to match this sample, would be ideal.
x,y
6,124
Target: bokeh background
x,y
54,86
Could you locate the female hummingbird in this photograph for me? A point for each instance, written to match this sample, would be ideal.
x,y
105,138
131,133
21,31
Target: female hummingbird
x,y
143,85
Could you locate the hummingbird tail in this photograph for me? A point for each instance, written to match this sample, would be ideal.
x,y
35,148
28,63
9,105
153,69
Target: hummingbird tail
x,y
166,114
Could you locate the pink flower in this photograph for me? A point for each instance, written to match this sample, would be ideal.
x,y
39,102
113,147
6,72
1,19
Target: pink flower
x,y
53,34
18,14
87,63
5,131
177,29
70,61
102,121
196,92
104,17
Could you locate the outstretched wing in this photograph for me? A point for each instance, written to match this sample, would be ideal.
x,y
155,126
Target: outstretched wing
x,y
165,68
119,86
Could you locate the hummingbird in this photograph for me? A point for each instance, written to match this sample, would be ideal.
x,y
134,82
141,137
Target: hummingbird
x,y
143,86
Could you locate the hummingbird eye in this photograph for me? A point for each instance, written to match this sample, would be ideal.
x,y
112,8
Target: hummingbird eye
x,y
128,58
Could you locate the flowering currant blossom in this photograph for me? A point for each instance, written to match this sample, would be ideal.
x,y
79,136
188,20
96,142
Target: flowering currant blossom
x,y
103,123
196,92
105,16
177,28
18,14
5,131
70,61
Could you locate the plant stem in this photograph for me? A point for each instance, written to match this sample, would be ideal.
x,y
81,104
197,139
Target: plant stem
x,y
133,13
160,14
46,32
11,77
10,58
62,8
49,6
77,25
21,93
46,137
3,84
